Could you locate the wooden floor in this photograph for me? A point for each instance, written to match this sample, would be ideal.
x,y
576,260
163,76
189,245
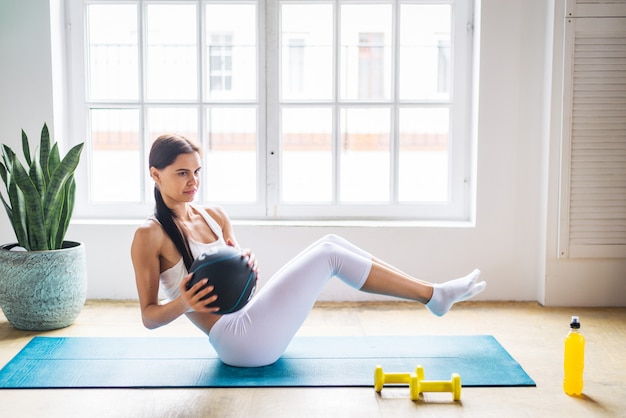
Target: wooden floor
x,y
532,334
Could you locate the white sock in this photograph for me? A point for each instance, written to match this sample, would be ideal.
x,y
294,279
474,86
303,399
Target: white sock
x,y
447,294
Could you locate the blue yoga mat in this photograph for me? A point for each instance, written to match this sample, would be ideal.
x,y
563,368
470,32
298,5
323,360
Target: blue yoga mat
x,y
308,362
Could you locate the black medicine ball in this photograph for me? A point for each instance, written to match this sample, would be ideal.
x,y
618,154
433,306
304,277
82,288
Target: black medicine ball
x,y
233,280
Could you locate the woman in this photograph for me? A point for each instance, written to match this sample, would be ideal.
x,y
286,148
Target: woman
x,y
167,243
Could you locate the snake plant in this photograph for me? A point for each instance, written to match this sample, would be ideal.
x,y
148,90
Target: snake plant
x,y
41,194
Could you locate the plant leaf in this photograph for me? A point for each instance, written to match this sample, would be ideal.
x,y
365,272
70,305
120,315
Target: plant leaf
x,y
66,211
4,174
26,148
52,201
33,212
19,217
7,208
7,156
36,176
55,219
53,161
16,210
44,151
6,179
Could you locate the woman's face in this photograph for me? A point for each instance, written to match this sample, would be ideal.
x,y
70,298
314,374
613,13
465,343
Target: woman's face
x,y
180,180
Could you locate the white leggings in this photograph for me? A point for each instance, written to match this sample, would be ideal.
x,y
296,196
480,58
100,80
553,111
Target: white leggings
x,y
258,334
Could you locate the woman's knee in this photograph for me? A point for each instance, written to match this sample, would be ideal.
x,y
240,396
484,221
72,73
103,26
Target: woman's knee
x,y
327,249
332,238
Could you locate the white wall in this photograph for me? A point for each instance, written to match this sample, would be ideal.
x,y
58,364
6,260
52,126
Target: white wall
x,y
514,224
25,78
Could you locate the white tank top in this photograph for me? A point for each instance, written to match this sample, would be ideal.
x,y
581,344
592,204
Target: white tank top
x,y
170,279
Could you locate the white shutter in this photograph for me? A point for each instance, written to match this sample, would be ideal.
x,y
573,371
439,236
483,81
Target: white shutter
x,y
593,172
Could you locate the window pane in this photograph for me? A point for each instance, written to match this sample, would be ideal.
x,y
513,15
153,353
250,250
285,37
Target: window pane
x,y
112,51
307,155
231,155
171,52
115,156
366,37
356,100
425,63
173,120
306,51
423,163
365,155
231,51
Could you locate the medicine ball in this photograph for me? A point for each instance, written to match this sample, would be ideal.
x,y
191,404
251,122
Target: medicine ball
x,y
233,279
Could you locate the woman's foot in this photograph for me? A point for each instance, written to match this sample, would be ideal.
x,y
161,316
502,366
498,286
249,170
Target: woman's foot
x,y
447,294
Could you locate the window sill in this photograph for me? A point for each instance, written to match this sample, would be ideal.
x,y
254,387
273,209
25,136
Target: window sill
x,y
343,223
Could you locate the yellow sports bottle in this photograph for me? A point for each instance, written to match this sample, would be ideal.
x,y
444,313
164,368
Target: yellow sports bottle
x,y
574,360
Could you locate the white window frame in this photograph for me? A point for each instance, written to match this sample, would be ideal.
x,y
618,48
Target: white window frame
x,y
268,205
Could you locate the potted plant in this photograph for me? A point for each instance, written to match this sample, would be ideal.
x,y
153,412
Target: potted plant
x,y
43,278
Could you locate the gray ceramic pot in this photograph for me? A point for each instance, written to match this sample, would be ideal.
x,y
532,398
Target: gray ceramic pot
x,y
43,290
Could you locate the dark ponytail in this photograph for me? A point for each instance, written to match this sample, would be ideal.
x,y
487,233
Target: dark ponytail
x,y
165,149
167,219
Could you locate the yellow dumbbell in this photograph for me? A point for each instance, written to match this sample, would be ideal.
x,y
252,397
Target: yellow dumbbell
x,y
411,379
453,385
416,382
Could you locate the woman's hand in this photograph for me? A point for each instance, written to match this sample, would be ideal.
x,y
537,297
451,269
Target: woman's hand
x,y
193,296
246,252
252,262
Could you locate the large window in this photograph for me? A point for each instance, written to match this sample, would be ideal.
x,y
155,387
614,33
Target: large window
x,y
334,109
